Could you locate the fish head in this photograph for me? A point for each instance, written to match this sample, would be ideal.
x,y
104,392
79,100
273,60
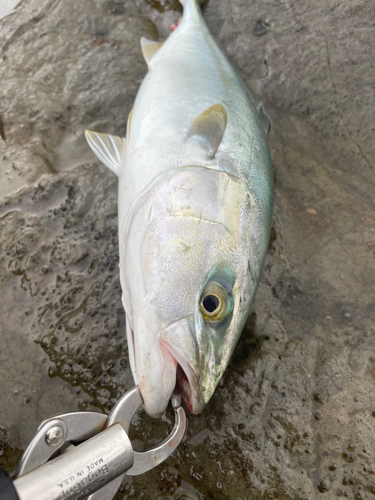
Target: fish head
x,y
193,263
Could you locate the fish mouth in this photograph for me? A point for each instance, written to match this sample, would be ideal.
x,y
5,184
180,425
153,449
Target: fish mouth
x,y
187,382
177,366
183,387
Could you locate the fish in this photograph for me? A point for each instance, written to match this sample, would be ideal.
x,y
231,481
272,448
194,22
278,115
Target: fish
x,y
195,190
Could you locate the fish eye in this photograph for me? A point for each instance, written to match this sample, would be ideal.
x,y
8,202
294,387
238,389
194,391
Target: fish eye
x,y
215,303
211,303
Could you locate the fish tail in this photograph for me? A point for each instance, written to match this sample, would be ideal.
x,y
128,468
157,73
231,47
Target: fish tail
x,y
186,2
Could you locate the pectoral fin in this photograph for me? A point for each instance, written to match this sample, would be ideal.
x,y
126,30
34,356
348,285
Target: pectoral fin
x,y
265,118
209,128
110,149
263,111
149,49
128,127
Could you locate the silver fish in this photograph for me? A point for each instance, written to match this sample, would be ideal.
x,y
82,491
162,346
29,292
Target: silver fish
x,y
195,208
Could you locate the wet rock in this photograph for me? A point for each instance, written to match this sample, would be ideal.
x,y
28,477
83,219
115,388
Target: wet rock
x,y
261,28
322,487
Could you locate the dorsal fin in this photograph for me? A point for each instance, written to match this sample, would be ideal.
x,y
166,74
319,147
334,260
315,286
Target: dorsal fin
x,y
110,149
209,127
149,49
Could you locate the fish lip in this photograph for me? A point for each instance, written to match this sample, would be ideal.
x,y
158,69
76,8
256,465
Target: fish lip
x,y
194,400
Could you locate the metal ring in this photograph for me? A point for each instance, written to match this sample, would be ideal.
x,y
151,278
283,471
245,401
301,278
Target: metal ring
x,y
123,414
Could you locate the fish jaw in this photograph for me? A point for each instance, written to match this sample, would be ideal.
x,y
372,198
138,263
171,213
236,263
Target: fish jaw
x,y
155,368
180,341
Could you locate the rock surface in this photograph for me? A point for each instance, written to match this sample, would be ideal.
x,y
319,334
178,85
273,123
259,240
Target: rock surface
x,y
294,415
